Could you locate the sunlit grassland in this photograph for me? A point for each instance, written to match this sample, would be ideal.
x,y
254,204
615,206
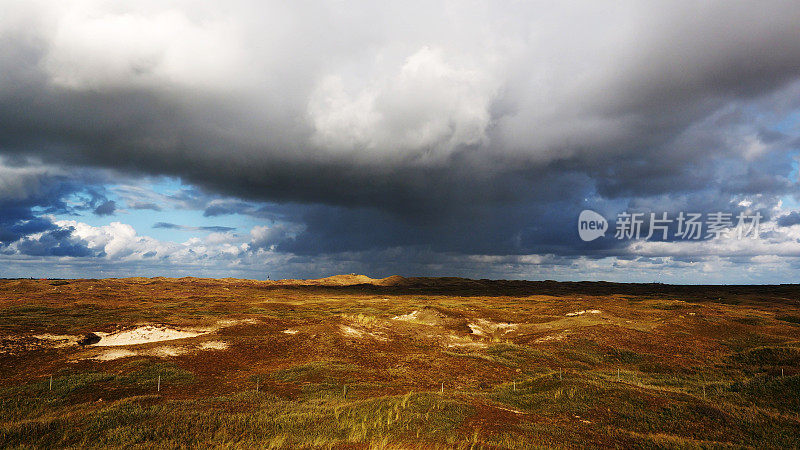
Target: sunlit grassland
x,y
635,407
649,372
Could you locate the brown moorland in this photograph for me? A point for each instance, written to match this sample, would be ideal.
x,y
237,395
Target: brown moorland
x,y
354,362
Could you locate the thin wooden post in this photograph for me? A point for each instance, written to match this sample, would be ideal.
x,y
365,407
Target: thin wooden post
x,y
51,382
158,389
559,374
258,381
442,391
515,385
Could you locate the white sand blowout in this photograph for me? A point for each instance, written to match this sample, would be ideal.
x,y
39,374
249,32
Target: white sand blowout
x,y
145,335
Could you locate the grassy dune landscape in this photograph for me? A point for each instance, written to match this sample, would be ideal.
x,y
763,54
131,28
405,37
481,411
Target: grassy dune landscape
x,y
353,362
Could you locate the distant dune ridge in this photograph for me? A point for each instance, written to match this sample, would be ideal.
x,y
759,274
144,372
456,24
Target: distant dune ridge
x,y
335,280
458,284
468,285
394,280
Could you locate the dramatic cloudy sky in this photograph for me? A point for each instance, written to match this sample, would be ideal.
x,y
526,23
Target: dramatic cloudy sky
x,y
303,139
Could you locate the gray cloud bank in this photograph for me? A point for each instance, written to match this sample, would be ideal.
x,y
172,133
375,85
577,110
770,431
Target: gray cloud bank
x,y
470,128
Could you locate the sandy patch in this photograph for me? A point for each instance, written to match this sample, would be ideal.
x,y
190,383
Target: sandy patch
x,y
438,317
167,351
363,321
483,327
476,329
214,345
14,344
113,354
410,317
231,322
144,335
467,345
289,331
426,316
582,312
350,331
551,338
58,340
515,411
356,333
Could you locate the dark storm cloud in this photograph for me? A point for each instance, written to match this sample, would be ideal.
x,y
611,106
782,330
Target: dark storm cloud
x,y
793,218
107,208
58,242
29,190
16,223
486,130
227,208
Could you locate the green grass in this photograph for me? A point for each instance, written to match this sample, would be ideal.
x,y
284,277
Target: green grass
x,y
646,410
35,399
782,393
641,409
329,371
145,373
623,356
769,356
509,355
267,421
